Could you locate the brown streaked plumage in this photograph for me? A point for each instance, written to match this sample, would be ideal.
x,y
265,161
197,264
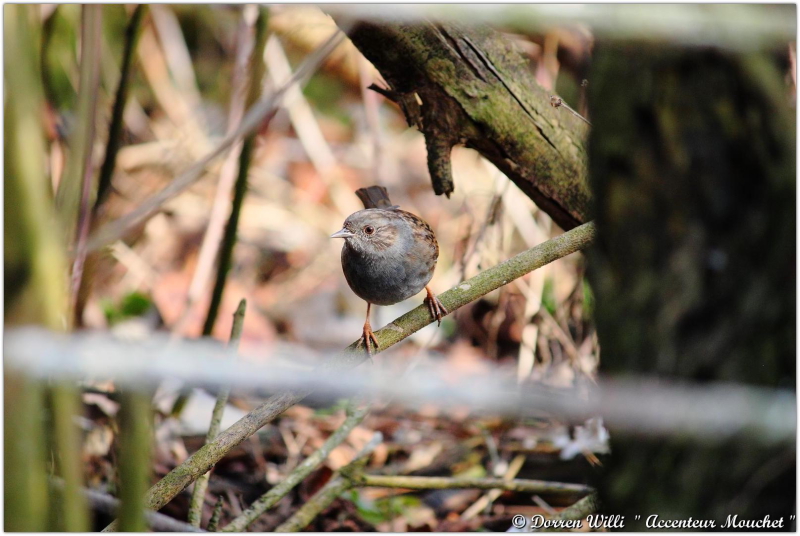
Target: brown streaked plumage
x,y
388,256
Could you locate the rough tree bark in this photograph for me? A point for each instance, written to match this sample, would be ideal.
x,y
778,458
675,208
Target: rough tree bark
x,y
472,87
692,164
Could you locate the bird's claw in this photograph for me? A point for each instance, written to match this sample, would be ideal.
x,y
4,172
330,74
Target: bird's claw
x,y
435,307
369,339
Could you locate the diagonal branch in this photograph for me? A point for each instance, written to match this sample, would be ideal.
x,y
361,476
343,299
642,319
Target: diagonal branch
x,y
201,461
279,491
341,481
200,487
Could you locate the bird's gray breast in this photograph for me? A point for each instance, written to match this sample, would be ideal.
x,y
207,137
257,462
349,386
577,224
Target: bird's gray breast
x,y
385,278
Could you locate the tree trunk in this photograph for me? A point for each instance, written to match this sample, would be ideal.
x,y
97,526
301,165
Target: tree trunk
x,y
692,164
472,87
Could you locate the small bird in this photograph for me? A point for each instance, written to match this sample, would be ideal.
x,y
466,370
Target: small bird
x,y
388,256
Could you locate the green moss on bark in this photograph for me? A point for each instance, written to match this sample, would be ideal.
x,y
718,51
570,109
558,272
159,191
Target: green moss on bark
x,y
486,98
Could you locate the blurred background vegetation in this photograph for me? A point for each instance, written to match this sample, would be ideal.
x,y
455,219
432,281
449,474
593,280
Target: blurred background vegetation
x,y
105,105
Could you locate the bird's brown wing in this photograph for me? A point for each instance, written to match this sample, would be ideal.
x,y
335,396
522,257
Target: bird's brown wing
x,y
424,236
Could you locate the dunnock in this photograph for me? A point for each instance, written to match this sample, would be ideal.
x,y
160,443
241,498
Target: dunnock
x,y
388,256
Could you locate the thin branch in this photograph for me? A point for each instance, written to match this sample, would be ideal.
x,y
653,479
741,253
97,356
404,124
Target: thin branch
x,y
338,484
300,112
227,240
307,128
200,487
575,240
80,143
213,523
269,499
177,56
252,121
212,238
85,263
558,102
178,106
33,249
134,458
132,33
437,482
72,506
492,495
205,458
584,507
76,187
27,504
103,502
240,188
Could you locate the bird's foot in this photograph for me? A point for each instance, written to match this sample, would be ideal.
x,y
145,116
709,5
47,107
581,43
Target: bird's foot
x,y
435,307
369,339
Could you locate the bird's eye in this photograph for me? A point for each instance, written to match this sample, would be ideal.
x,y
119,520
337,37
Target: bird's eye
x,y
369,229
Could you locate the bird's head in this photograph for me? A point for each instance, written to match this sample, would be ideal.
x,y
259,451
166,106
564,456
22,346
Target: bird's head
x,y
371,230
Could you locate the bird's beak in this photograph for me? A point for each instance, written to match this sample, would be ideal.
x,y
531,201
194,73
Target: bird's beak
x,y
344,233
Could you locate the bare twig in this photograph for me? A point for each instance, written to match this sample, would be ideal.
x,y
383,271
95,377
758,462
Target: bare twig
x,y
76,187
581,509
442,482
252,120
269,499
371,101
307,127
134,459
65,402
240,188
339,483
32,248
132,33
85,264
27,508
220,238
200,487
177,54
212,238
205,458
300,112
492,495
352,476
213,523
558,102
107,504
177,105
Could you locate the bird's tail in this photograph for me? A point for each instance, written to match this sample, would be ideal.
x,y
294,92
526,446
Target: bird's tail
x,y
374,197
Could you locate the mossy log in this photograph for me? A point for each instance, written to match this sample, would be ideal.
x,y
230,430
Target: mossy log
x,y
692,164
472,87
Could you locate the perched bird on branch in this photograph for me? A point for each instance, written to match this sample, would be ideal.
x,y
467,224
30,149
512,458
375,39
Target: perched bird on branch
x,y
388,256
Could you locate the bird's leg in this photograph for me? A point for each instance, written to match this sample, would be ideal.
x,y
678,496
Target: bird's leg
x,y
367,335
435,307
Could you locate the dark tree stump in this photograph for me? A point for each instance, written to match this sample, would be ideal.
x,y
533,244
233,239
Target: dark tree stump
x,y
692,165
